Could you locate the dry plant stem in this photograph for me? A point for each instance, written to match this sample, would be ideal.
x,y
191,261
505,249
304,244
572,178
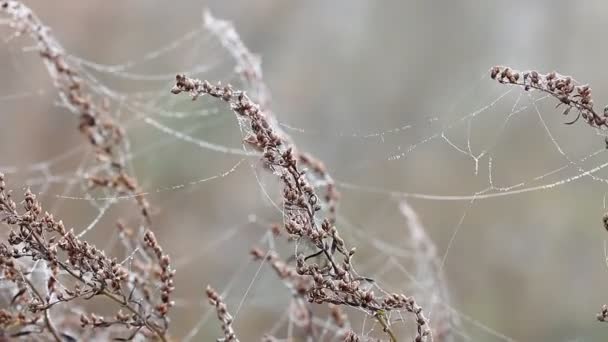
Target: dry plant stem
x,y
570,94
222,314
381,318
96,125
248,66
300,287
107,139
563,88
47,319
336,282
40,236
105,292
123,303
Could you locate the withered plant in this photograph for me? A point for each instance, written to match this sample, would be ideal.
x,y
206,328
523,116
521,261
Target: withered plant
x,y
68,269
50,272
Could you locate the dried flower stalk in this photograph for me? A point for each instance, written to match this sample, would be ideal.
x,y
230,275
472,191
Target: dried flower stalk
x,y
300,286
563,88
96,125
335,282
38,236
222,314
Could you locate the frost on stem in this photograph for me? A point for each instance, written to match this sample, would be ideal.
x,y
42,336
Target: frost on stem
x,y
335,282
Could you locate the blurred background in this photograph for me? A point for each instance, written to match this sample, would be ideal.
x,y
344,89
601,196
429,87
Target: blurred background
x,y
394,97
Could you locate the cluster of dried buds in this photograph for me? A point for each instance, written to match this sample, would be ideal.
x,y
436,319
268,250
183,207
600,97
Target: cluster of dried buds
x,y
400,301
17,319
351,337
334,282
222,314
602,316
98,321
165,274
319,170
301,286
101,131
8,320
563,88
39,236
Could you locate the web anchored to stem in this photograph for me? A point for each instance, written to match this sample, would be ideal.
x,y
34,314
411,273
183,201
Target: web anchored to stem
x,y
335,283
571,95
129,120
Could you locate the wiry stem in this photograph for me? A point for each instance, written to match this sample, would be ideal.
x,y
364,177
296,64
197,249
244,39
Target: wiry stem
x,y
381,318
47,319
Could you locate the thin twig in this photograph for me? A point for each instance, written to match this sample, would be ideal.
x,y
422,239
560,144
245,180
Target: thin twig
x,y
47,319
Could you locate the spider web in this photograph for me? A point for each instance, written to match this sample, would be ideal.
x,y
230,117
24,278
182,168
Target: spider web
x,y
213,200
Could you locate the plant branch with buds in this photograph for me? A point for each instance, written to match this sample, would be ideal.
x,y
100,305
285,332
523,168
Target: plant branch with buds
x,y
336,282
